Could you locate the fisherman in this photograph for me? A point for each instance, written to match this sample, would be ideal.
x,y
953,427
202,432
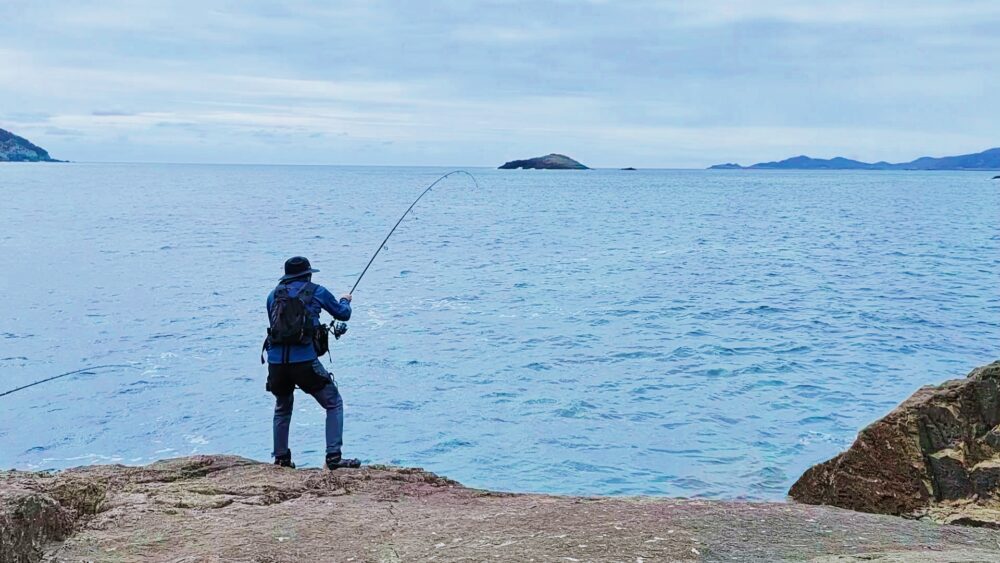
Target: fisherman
x,y
294,343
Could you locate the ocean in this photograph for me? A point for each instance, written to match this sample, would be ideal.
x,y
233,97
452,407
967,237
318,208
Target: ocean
x,y
662,332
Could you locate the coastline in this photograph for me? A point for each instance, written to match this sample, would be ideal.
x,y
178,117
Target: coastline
x,y
230,508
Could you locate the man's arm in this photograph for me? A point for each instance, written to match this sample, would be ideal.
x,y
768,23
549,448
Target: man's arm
x,y
341,310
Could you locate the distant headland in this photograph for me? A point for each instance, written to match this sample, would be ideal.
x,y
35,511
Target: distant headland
x,y
549,162
18,149
986,160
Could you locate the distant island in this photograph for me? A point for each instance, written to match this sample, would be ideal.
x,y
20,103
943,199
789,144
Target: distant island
x,y
986,160
548,162
19,149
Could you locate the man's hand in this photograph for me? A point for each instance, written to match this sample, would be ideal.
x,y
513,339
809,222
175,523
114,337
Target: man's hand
x,y
346,296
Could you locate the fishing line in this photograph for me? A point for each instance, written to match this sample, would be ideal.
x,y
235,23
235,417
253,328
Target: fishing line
x,y
380,247
407,212
84,370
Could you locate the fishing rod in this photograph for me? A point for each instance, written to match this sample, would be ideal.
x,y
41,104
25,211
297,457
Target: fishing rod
x,y
337,331
84,370
405,213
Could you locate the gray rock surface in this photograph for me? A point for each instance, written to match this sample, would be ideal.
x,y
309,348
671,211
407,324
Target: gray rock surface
x,y
29,520
225,508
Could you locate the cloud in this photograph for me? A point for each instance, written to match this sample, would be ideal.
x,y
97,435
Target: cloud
x,y
25,118
60,132
652,82
533,32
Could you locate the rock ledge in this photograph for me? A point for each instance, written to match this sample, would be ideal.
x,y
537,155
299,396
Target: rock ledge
x,y
225,508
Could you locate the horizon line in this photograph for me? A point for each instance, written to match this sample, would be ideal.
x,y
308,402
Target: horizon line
x,y
487,167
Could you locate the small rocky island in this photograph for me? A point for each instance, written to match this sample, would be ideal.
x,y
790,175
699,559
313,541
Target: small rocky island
x,y
18,149
548,162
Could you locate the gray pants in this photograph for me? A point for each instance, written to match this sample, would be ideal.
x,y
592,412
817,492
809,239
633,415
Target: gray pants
x,y
328,397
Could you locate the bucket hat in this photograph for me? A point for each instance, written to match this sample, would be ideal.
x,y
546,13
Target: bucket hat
x,y
295,267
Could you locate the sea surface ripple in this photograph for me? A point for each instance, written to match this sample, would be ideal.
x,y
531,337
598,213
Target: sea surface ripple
x,y
685,333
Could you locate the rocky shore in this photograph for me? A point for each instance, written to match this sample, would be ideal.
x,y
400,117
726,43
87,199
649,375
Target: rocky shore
x,y
224,508
935,460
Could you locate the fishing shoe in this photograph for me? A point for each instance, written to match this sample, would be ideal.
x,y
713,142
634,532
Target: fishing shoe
x,y
334,461
284,461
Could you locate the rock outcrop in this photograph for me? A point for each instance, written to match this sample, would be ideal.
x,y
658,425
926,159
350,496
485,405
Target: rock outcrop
x,y
226,508
549,162
936,455
19,149
29,520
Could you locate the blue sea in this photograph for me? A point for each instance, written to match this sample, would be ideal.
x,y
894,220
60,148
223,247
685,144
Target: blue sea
x,y
683,333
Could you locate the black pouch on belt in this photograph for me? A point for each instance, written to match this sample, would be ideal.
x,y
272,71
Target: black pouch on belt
x,y
321,340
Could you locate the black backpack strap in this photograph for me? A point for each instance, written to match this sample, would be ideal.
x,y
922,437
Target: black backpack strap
x,y
280,291
307,292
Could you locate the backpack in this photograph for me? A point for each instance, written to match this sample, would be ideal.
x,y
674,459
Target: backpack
x,y
291,322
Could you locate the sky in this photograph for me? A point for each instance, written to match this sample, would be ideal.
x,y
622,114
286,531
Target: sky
x,y
667,84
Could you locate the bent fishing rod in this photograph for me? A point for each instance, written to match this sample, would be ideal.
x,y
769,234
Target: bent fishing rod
x,y
338,329
405,213
342,328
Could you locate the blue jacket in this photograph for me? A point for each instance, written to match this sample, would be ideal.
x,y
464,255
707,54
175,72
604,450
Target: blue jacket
x,y
322,299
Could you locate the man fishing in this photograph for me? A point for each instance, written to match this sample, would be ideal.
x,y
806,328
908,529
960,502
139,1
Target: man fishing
x,y
295,339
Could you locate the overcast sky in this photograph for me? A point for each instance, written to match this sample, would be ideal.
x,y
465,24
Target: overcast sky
x,y
463,82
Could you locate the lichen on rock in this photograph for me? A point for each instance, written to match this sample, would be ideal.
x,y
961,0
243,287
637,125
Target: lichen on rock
x,y
937,454
28,521
226,508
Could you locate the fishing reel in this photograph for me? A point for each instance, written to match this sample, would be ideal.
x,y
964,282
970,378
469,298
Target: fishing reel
x,y
338,329
321,338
